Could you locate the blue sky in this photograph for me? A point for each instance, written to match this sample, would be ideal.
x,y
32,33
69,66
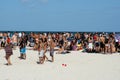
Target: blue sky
x,y
60,15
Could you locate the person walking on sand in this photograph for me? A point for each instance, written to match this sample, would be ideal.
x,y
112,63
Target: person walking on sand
x,y
41,51
22,49
52,45
9,52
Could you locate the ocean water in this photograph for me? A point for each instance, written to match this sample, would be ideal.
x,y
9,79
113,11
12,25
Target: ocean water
x,y
41,32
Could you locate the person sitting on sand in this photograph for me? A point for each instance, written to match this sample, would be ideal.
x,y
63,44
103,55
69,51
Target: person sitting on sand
x,y
9,52
60,50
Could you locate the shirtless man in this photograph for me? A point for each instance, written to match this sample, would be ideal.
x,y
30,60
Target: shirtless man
x,y
52,45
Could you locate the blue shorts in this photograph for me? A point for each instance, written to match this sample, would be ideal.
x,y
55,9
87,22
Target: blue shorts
x,y
23,50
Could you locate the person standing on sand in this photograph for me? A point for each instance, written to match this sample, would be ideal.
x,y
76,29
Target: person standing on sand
x,y
52,45
112,44
41,51
102,43
96,43
22,49
9,52
90,44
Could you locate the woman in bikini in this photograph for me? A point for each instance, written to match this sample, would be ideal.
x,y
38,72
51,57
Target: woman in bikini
x,y
9,52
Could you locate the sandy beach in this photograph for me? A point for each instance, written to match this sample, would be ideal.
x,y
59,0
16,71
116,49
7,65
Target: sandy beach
x,y
79,66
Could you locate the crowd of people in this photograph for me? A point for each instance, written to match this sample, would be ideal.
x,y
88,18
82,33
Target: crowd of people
x,y
105,43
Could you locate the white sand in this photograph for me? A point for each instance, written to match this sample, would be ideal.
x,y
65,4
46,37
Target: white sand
x,y
80,66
